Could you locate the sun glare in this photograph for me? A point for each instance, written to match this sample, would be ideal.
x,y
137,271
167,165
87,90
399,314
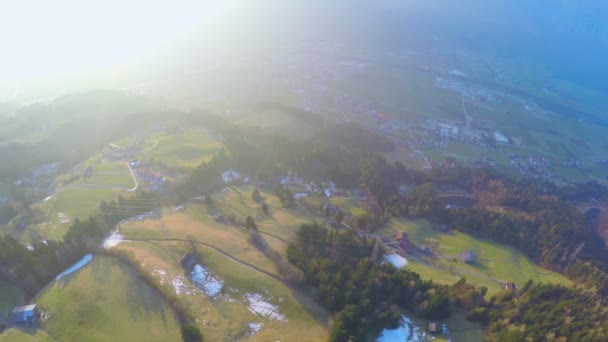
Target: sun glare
x,y
53,38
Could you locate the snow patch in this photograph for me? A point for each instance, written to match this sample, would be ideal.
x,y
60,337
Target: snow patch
x,y
113,240
206,282
396,260
258,305
254,328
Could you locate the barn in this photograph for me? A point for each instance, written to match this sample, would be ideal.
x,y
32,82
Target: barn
x,y
24,314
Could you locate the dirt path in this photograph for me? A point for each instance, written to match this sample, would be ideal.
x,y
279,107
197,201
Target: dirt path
x,y
221,251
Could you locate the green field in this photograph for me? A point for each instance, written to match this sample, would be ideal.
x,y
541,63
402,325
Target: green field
x,y
183,150
495,262
106,299
123,180
25,335
10,296
348,204
73,203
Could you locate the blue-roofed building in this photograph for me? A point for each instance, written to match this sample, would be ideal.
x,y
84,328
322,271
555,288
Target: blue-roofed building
x,y
24,314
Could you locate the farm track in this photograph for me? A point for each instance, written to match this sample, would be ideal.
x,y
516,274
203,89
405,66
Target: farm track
x,y
224,253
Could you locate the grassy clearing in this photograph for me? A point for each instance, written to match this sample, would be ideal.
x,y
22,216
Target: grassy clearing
x,y
494,260
10,296
184,150
105,299
73,203
118,180
348,204
227,316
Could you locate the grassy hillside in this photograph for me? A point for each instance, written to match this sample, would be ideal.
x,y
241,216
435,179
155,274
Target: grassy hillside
x,y
63,207
105,301
227,316
181,150
495,262
25,335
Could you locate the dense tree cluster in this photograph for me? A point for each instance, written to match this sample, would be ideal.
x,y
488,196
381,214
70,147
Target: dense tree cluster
x,y
285,195
545,312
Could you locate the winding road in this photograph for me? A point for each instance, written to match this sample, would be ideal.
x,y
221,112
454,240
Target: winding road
x,y
100,186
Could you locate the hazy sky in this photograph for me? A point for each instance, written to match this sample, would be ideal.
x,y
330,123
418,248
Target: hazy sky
x,y
51,38
61,39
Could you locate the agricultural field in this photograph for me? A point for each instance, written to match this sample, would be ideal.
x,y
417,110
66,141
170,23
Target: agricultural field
x,y
183,150
495,262
106,299
63,207
249,305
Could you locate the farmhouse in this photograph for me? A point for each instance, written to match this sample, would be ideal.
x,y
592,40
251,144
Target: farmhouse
x,y
403,241
508,286
24,314
468,257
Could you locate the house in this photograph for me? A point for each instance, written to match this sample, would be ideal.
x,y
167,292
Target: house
x,y
401,236
360,194
468,257
24,314
508,286
329,209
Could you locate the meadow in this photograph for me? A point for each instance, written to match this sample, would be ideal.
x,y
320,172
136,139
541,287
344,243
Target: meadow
x,y
25,335
76,203
106,299
495,262
183,150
